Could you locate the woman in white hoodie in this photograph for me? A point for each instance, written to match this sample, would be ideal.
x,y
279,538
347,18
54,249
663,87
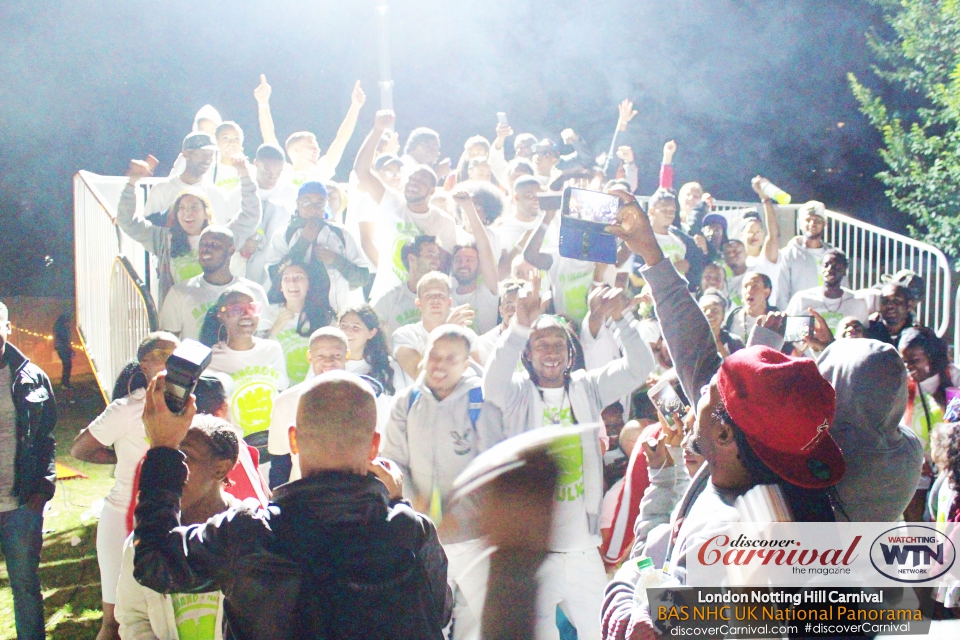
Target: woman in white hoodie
x,y
554,390
211,448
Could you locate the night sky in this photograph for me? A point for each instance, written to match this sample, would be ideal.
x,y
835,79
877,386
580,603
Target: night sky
x,y
744,86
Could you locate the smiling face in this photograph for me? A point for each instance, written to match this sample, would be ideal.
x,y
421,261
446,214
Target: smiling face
x,y
549,355
812,226
198,161
445,365
327,354
357,334
304,153
752,235
230,141
713,277
214,252
466,266
735,255
191,214
690,195
428,260
240,315
390,175
662,214
833,270
294,285
527,201
419,187
714,315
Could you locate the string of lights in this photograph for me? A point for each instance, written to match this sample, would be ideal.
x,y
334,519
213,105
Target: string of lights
x,y
42,336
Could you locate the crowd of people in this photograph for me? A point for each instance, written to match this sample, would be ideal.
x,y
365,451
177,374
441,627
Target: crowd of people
x,y
372,337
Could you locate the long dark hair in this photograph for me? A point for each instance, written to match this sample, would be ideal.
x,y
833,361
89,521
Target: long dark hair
x,y
179,242
131,377
211,327
316,307
375,352
936,350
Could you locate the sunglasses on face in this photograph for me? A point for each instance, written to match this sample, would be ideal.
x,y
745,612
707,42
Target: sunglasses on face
x,y
237,310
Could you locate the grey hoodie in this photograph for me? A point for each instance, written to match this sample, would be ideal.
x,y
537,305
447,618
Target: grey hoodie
x,y
799,270
883,458
433,440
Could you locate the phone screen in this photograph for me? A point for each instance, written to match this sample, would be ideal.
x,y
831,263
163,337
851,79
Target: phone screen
x,y
798,328
593,206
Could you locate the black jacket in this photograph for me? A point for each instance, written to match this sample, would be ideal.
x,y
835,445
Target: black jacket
x,y
318,563
35,470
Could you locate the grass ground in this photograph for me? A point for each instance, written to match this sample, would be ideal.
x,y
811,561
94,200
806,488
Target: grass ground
x,y
69,575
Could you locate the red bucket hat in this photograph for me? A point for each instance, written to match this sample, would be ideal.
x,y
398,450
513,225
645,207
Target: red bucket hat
x,y
784,408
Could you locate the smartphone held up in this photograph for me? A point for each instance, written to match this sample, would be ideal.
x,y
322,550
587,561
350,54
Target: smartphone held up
x,y
584,216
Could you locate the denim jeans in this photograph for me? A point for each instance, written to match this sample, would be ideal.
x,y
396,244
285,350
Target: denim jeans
x,y
20,541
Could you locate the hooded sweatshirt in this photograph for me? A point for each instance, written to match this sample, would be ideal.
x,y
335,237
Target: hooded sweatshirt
x,y
580,493
799,270
434,440
883,458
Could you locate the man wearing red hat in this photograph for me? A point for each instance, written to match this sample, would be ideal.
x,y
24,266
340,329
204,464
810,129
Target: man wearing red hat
x,y
762,418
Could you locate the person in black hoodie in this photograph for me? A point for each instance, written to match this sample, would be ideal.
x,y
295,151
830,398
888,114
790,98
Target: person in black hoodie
x,y
336,555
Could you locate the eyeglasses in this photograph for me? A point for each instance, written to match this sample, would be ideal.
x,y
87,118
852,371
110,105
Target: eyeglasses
x,y
237,310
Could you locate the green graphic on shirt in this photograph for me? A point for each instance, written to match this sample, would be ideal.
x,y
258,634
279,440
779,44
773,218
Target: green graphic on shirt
x,y
832,318
196,615
185,267
405,231
295,348
199,311
567,452
252,401
229,184
574,288
410,316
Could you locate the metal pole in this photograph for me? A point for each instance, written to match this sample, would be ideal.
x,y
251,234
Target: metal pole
x,y
386,83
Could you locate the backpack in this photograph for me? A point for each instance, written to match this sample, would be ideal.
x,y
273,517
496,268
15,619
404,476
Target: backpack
x,y
476,402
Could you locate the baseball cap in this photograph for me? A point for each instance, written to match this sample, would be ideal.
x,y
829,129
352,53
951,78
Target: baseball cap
x,y
547,146
812,208
198,140
712,296
714,218
784,407
908,278
313,187
385,159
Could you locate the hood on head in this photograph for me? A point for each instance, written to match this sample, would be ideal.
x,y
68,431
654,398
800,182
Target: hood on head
x,y
207,112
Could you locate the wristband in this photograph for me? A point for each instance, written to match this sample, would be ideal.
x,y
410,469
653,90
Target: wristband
x,y
767,201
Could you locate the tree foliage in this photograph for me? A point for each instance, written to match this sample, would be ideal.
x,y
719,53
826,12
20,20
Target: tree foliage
x,y
920,57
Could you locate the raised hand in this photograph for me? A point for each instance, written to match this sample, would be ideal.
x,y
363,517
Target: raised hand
x,y
263,90
568,136
669,148
528,304
625,153
462,315
627,112
633,227
139,169
389,474
821,336
504,131
165,428
239,162
392,145
357,97
757,185
385,119
280,323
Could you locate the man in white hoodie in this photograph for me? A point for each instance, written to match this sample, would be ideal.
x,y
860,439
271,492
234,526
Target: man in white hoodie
x,y
433,433
553,390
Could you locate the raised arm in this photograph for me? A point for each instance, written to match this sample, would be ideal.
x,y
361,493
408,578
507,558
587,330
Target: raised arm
x,y
499,387
363,165
335,150
771,245
498,160
666,165
623,375
138,228
262,95
488,265
531,252
684,326
245,223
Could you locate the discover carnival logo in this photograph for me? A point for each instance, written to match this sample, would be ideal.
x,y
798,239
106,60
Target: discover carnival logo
x,y
912,553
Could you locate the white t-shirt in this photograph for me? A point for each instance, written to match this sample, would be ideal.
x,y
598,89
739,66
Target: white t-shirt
x,y
121,426
672,247
761,264
485,305
258,374
571,280
322,172
465,237
162,195
397,307
511,230
415,336
277,211
188,265
295,346
396,224
570,531
486,344
187,303
833,310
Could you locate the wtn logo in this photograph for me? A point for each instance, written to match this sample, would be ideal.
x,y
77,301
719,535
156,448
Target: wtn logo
x,y
911,553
